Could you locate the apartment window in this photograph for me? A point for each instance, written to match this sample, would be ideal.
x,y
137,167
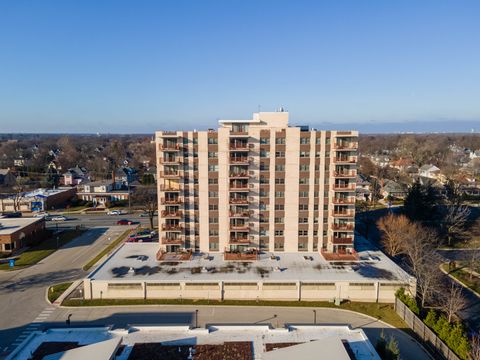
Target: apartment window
x,y
280,154
303,220
327,141
212,168
213,194
264,141
280,181
304,141
302,232
195,140
303,194
303,181
264,167
315,207
195,154
280,141
315,220
213,207
263,232
317,167
263,180
213,246
316,180
279,194
279,167
213,232
212,154
315,232
315,194
263,207
318,141
212,140
213,181
279,207
327,154
279,220
213,220
264,153
185,141
325,207
304,167
263,193
279,233
304,154
303,207
317,154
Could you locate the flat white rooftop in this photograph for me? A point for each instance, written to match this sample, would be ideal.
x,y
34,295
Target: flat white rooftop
x,y
137,262
259,335
10,226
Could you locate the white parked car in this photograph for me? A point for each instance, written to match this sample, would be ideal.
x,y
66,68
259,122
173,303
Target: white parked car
x,y
59,218
115,212
40,214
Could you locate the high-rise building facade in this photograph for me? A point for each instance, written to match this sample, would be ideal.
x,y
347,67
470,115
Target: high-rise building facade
x,y
257,184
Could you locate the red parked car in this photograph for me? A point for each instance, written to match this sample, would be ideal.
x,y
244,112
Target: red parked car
x,y
124,222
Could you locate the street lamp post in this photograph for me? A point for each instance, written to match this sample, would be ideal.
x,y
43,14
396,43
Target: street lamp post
x,y
314,317
196,318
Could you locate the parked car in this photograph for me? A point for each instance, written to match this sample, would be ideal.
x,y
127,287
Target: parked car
x,y
15,214
125,222
115,212
41,215
59,218
146,214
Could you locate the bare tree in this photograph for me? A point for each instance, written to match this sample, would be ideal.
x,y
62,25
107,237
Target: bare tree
x,y
428,279
19,190
394,229
145,197
453,301
454,222
474,347
473,261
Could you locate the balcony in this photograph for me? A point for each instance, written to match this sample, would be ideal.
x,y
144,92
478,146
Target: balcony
x,y
342,240
343,213
345,160
239,214
239,160
344,201
171,188
239,146
172,227
171,201
239,227
239,175
170,147
171,160
238,187
345,174
347,145
251,255
343,227
169,134
239,132
171,174
340,255
172,241
239,240
344,187
238,201
171,214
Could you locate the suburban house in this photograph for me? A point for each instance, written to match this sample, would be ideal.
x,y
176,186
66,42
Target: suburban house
x,y
74,176
126,175
362,190
429,171
394,189
475,154
37,200
7,178
402,164
101,192
380,160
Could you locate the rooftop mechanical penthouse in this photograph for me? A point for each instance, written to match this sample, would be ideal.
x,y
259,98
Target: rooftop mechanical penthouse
x,y
257,185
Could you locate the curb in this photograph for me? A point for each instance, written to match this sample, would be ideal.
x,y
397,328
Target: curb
x,y
465,286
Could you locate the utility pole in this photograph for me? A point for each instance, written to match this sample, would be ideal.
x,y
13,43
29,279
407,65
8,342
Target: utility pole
x,y
129,200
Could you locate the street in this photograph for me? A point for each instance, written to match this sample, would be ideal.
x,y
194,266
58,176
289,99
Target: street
x,y
92,220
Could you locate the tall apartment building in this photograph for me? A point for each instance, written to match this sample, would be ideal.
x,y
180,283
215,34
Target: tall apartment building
x,y
257,184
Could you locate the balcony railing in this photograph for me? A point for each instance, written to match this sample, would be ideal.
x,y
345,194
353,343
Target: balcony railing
x,y
174,241
171,201
346,145
172,160
238,133
171,174
169,133
239,175
239,187
172,227
340,255
240,256
239,240
345,159
239,227
170,147
343,213
239,160
239,214
345,174
172,188
239,146
238,201
344,201
342,240
343,227
172,214
342,187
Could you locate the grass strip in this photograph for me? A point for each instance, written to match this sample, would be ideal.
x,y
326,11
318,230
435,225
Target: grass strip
x,y
55,291
107,250
38,252
471,281
384,312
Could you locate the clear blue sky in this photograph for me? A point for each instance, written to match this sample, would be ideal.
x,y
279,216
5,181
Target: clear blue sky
x,y
137,66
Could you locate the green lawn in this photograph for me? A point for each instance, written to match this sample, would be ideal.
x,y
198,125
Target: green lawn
x,y
384,312
38,252
460,274
55,291
105,251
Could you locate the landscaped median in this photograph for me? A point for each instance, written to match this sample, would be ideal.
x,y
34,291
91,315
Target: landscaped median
x,y
464,277
55,291
107,250
383,312
34,254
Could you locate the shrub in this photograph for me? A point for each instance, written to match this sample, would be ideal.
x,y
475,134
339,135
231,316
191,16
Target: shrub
x,y
408,300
